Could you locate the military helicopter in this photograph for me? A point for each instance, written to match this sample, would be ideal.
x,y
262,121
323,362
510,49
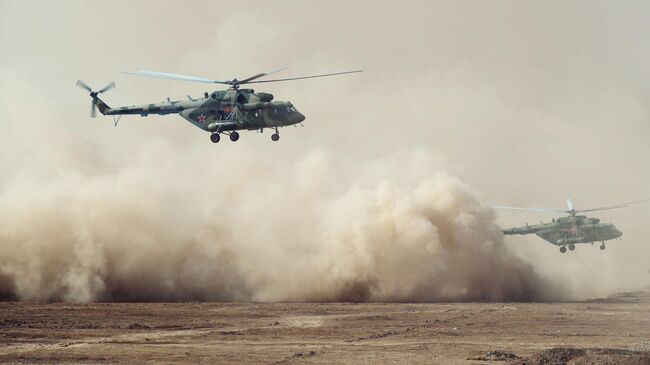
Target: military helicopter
x,y
567,231
221,112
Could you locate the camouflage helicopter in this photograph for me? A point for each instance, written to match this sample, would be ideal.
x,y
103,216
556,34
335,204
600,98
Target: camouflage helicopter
x,y
221,112
567,231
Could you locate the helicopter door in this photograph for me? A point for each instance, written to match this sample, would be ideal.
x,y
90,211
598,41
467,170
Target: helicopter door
x,y
228,112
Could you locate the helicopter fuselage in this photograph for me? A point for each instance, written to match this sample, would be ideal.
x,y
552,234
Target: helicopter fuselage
x,y
220,111
570,230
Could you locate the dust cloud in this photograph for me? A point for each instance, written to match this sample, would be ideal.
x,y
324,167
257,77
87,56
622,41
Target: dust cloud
x,y
164,229
377,198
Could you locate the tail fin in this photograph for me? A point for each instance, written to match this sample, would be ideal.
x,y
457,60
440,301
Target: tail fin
x,y
101,105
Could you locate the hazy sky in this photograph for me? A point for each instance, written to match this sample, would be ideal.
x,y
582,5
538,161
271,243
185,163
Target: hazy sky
x,y
526,101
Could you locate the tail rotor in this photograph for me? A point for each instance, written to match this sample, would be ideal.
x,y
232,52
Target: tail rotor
x,y
93,95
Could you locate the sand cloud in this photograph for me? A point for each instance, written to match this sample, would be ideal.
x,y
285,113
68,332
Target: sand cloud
x,y
306,231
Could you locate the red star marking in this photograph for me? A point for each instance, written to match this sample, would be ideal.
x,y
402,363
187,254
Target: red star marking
x,y
201,118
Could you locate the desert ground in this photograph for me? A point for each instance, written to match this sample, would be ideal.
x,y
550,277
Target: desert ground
x,y
613,330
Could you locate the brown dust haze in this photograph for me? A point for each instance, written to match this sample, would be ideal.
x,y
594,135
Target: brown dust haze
x,y
384,194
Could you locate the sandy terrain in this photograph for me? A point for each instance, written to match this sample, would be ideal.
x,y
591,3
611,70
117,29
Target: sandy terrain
x,y
341,333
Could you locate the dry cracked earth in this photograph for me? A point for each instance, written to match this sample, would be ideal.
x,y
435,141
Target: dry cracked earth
x,y
614,330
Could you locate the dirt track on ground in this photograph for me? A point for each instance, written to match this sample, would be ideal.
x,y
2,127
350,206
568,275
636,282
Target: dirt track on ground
x,y
331,333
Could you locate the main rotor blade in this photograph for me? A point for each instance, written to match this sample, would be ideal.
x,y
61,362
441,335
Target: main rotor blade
x,y
246,80
569,204
616,206
169,76
529,209
83,85
93,109
107,87
302,77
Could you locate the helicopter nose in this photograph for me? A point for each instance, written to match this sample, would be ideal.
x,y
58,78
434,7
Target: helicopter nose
x,y
615,232
294,117
298,117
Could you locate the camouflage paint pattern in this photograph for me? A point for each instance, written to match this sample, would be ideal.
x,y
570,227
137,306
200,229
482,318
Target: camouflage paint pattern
x,y
223,110
570,230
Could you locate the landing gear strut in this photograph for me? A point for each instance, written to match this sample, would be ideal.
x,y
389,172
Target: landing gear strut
x,y
602,246
275,136
214,137
563,249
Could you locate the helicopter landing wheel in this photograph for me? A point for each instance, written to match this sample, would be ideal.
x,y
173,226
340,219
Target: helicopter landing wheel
x,y
572,247
234,136
214,137
275,137
563,249
602,247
